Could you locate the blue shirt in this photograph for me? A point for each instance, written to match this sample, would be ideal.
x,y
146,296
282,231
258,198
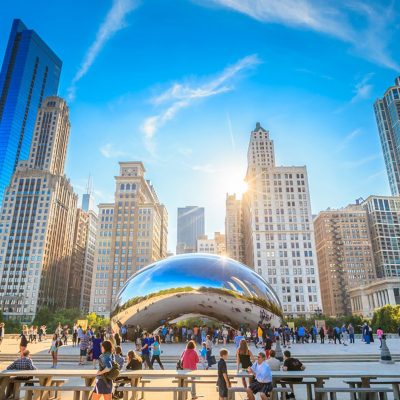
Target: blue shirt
x,y
144,342
156,348
262,372
237,340
302,331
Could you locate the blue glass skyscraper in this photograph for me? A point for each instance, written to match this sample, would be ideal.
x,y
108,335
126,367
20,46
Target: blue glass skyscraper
x,y
30,72
387,112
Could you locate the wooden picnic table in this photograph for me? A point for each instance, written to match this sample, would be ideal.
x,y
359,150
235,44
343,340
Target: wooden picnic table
x,y
45,376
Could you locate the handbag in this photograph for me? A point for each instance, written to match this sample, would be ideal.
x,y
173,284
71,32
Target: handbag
x,y
179,365
212,360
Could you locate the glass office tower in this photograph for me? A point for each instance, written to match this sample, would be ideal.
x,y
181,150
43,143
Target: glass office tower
x,y
387,112
30,72
190,227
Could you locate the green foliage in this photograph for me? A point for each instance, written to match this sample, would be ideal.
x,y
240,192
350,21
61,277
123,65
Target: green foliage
x,y
387,318
97,321
65,316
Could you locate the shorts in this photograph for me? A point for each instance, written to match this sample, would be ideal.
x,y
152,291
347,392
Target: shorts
x,y
83,353
259,387
103,386
222,389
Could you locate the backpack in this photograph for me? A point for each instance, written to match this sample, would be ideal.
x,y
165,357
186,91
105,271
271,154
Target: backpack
x,y
113,373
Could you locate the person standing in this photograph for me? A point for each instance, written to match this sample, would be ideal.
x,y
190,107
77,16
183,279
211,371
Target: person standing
x,y
351,333
263,379
345,335
322,335
104,386
96,349
244,358
146,350
209,347
379,333
223,382
23,343
302,333
190,357
225,335
156,352
314,334
337,333
54,350
2,331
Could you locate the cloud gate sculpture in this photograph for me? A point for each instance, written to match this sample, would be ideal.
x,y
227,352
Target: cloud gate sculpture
x,y
201,284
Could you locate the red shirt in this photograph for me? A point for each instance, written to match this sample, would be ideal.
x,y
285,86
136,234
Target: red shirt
x,y
190,359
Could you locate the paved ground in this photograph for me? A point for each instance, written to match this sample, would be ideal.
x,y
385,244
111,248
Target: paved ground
x,y
10,347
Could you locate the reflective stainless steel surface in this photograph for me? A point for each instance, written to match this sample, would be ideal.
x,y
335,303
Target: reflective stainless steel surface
x,y
202,284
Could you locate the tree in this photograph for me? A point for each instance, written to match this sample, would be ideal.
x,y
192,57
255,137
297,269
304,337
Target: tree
x,y
387,318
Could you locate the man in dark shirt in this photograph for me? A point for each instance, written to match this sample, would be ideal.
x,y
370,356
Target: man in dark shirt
x,y
146,343
21,364
291,364
223,380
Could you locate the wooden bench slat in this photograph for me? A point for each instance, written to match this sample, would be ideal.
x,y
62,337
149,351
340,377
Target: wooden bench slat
x,y
152,389
353,390
59,388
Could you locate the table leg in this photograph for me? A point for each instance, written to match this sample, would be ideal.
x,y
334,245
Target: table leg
x,y
134,383
3,386
88,382
396,391
44,381
365,383
319,383
274,394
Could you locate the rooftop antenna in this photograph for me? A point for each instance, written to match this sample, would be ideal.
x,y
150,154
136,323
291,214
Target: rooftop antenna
x,y
89,185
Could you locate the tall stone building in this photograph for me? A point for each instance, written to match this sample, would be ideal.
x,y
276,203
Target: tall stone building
x,y
234,228
345,256
387,113
37,221
384,226
215,245
278,230
131,233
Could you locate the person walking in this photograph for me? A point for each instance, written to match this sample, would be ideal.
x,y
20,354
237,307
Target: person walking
x,y
351,333
104,386
23,343
244,358
83,348
322,335
146,351
156,352
190,358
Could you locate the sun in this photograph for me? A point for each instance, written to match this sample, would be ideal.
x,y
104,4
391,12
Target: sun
x,y
234,184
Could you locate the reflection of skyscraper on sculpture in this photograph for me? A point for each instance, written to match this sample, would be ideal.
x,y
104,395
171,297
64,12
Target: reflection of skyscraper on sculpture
x,y
190,227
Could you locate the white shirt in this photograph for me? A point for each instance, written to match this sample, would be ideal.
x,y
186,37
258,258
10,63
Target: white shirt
x,y
262,372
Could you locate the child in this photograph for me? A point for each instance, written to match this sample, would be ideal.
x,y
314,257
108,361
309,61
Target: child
x,y
223,380
54,350
203,355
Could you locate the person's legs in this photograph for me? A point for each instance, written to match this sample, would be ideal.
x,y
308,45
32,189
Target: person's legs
x,y
250,394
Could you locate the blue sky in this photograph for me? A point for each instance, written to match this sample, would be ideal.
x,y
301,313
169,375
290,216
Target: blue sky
x,y
180,84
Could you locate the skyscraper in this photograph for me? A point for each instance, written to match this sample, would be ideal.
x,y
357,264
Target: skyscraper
x,y
190,227
30,72
131,233
384,225
345,256
278,230
37,221
387,113
234,228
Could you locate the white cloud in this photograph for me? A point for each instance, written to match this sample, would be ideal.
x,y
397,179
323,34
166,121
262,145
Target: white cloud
x,y
114,22
331,17
180,95
108,151
206,168
349,137
361,162
362,89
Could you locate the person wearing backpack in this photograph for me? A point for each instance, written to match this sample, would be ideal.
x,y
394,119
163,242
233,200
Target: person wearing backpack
x,y
107,373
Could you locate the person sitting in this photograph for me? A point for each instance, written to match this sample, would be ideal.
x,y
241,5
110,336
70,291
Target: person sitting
x,y
273,362
118,357
263,378
291,364
21,364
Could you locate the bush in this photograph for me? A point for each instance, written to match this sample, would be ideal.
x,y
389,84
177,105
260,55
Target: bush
x,y
387,318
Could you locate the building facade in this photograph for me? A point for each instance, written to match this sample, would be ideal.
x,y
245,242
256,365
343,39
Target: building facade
x,y
234,229
345,256
37,221
366,299
215,245
278,229
131,233
384,226
30,73
190,227
387,113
